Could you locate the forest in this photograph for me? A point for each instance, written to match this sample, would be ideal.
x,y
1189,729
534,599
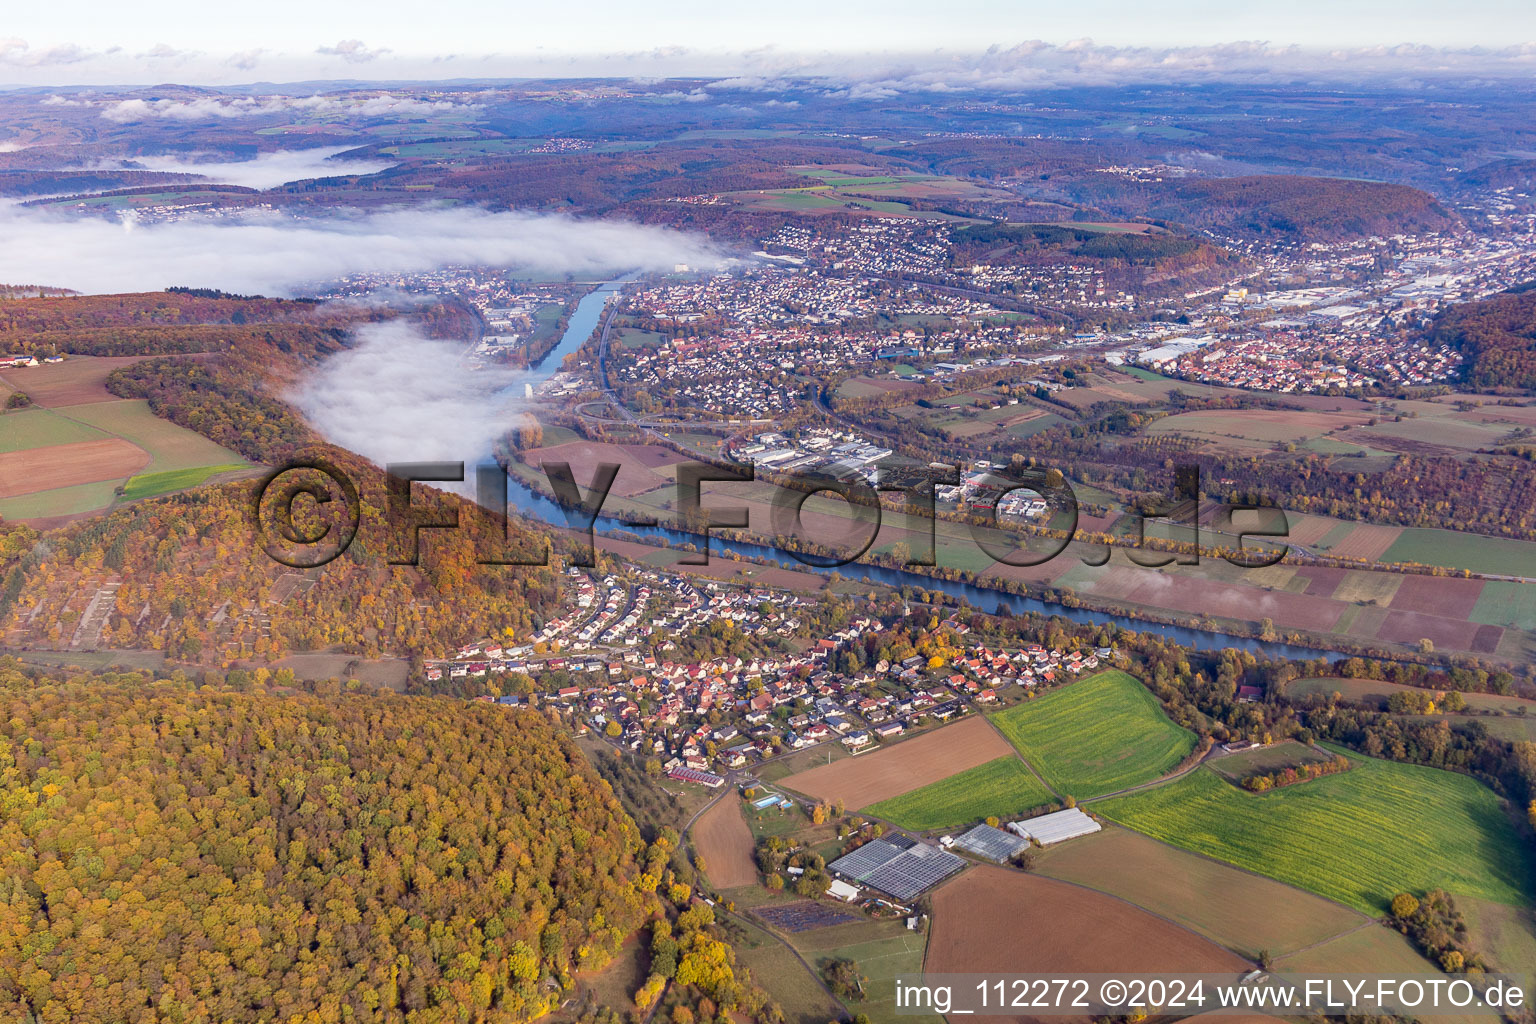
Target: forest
x,y
1300,207
174,853
185,557
1497,336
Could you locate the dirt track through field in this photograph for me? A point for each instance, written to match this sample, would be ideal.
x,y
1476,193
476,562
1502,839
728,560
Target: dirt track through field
x,y
722,838
64,465
903,767
992,920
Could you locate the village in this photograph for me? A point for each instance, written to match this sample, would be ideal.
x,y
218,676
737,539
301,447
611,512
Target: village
x,y
606,665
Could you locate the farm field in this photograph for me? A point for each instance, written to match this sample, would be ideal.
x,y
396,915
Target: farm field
x,y
151,485
1359,837
1514,728
1096,736
902,767
990,919
172,447
127,442
1507,934
776,968
1259,760
642,467
1236,909
1004,787
1506,604
79,380
722,838
1250,429
40,428
884,950
1373,948
1496,556
1371,691
66,465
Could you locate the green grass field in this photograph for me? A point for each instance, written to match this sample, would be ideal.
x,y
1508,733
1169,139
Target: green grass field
x,y
152,485
60,501
884,951
1004,787
1360,837
1497,556
1100,735
171,446
1503,603
777,969
42,428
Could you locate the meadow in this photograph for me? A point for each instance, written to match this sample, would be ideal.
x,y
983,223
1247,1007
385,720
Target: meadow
x,y
152,485
1004,787
1100,735
1360,837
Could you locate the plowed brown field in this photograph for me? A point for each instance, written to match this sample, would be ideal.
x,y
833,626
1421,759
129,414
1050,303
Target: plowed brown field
x,y
903,767
992,920
64,465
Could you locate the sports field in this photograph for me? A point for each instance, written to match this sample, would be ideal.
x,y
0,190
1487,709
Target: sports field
x,y
1004,787
1359,837
1100,735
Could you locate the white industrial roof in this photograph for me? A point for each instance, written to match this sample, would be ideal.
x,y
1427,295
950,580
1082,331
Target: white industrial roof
x,y
1053,828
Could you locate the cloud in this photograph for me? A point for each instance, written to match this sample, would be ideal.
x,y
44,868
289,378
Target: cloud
x,y
164,51
210,108
283,255
352,50
396,396
245,60
1036,65
266,170
19,53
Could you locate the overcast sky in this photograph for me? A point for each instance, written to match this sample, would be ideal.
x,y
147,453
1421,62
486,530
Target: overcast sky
x,y
99,42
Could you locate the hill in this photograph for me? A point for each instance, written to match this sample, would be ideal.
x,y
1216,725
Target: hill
x,y
173,853
1301,207
193,576
1497,336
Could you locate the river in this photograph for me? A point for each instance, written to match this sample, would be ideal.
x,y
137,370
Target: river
x,y
584,321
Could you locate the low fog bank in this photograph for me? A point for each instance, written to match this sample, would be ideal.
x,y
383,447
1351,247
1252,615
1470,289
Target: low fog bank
x,y
396,396
267,170
282,255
